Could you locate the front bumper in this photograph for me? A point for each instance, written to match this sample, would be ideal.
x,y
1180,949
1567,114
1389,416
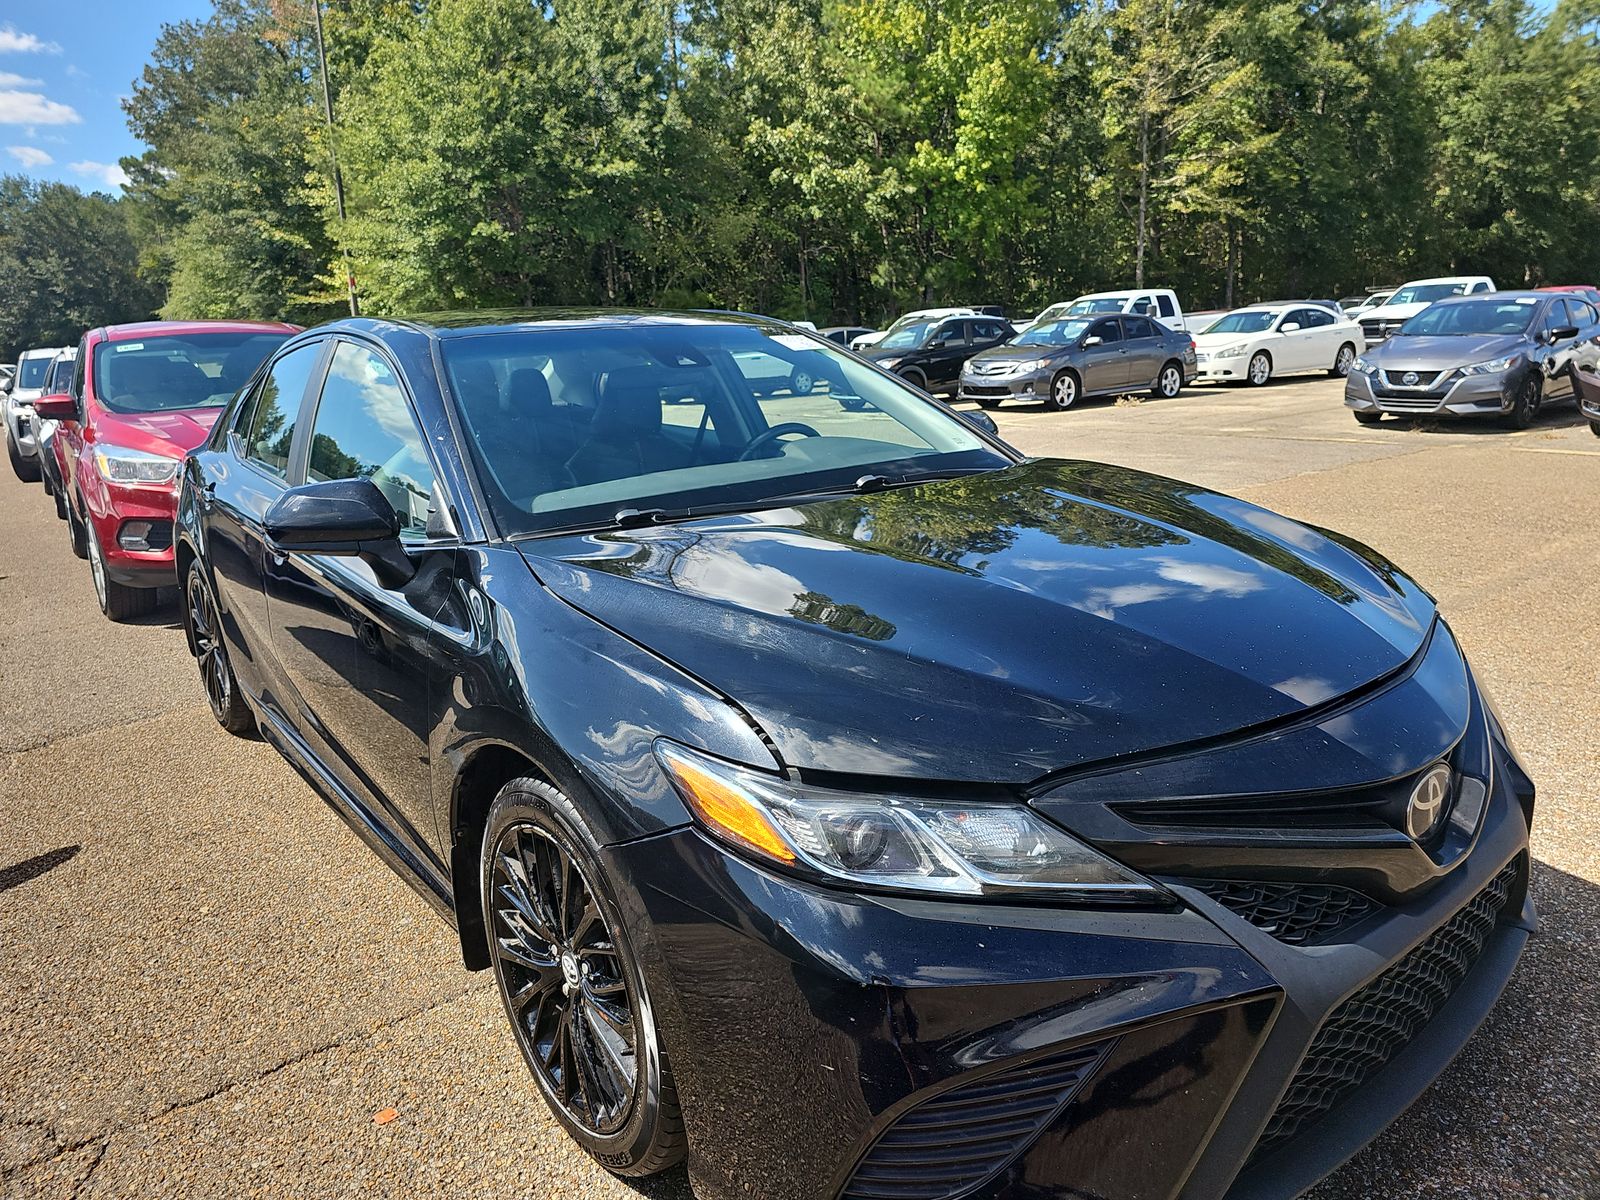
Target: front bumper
x,y
991,389
832,1046
1210,368
1445,394
22,424
111,510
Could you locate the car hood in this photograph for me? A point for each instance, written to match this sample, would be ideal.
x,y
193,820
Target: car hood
x,y
1215,341
1394,312
1011,352
175,432
999,627
1401,353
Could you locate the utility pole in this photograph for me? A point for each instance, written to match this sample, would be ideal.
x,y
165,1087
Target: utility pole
x,y
333,159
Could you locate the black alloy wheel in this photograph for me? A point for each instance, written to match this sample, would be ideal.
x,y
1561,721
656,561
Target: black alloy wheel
x,y
1525,408
571,987
211,656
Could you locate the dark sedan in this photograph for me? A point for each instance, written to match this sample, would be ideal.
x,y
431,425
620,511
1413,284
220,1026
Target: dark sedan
x,y
841,800
1500,354
931,353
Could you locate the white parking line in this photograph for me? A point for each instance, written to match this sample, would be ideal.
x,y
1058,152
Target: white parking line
x,y
1558,450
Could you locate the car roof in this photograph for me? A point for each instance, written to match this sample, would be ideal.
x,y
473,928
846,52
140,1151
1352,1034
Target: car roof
x,y
1501,297
451,325
41,352
155,329
1442,279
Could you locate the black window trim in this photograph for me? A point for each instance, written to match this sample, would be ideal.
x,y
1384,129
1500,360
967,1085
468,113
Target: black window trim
x,y
300,452
238,443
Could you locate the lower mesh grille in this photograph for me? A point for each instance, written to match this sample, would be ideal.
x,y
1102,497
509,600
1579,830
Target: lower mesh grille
x,y
964,1137
1299,914
1368,1029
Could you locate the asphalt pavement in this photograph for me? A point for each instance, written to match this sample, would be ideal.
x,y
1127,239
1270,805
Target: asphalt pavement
x,y
209,987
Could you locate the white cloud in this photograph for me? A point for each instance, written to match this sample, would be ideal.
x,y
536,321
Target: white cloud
x,y
24,43
30,156
30,108
109,174
8,80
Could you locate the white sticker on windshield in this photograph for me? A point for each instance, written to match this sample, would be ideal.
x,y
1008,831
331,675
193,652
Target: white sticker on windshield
x,y
1526,300
793,341
124,347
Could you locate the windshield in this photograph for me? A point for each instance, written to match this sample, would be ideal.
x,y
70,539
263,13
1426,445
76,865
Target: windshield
x,y
1103,304
906,337
1243,322
571,426
30,374
1054,333
1426,293
191,370
1472,317
1054,313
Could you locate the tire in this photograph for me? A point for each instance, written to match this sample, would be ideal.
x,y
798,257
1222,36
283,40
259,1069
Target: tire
x,y
118,601
1342,361
915,378
1259,372
77,533
988,402
1065,390
61,503
204,631
542,958
1169,383
1366,418
1594,428
25,469
802,383
1525,408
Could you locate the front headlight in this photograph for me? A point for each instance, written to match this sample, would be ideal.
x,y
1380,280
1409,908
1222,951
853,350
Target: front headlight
x,y
1364,365
1228,352
889,364
898,842
1029,365
121,464
1493,366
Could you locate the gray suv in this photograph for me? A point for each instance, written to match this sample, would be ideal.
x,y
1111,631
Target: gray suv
x,y
26,387
1063,361
1501,354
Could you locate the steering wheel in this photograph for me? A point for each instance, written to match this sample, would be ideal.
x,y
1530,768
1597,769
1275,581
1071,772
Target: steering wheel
x,y
763,440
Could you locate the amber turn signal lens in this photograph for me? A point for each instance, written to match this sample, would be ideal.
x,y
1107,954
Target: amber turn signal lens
x,y
726,809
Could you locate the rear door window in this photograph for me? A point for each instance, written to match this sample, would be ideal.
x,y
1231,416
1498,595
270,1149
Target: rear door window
x,y
1166,307
1139,327
267,419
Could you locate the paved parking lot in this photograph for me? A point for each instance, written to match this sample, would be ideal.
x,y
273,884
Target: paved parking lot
x,y
210,987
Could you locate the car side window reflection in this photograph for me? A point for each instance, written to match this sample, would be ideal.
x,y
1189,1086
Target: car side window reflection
x,y
364,429
269,415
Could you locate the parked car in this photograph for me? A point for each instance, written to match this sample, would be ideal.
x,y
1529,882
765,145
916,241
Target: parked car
x,y
921,316
1586,381
1159,303
845,335
1411,298
1354,306
1589,293
142,397
1504,354
8,372
26,387
1252,345
931,353
57,382
785,862
1061,362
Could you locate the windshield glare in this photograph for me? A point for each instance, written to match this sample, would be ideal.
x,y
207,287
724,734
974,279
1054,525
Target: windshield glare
x,y
1472,317
31,373
1427,293
1053,333
906,337
1106,304
571,426
1243,322
171,371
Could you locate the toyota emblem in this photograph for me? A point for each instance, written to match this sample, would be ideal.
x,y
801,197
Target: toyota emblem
x,y
1410,379
1427,803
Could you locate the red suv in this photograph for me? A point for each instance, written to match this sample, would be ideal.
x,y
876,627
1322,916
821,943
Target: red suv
x,y
142,397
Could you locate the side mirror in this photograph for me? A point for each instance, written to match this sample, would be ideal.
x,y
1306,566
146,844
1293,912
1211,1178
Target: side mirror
x,y
56,407
983,421
1093,340
1289,327
1563,333
344,517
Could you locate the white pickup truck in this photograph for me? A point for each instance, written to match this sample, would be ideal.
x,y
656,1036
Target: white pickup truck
x,y
1160,303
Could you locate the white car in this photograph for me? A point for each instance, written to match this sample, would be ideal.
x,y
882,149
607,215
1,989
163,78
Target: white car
x,y
1251,345
26,387
911,318
1160,303
1411,298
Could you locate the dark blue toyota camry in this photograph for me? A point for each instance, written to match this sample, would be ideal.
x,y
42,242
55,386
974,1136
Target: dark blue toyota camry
x,y
842,800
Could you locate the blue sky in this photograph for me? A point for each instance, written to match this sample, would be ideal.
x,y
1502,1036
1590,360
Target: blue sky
x,y
64,67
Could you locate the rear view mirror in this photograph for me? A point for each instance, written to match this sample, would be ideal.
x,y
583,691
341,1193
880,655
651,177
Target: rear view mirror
x,y
1289,327
1093,340
59,407
345,517
1563,333
983,421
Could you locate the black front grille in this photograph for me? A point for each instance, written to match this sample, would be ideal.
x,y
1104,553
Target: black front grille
x,y
1298,914
1368,1029
962,1138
